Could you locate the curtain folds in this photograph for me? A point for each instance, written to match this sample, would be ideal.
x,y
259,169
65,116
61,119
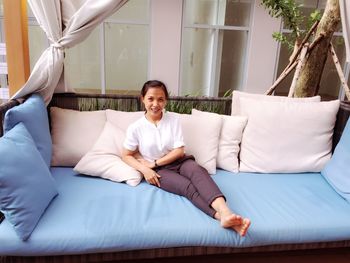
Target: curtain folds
x,y
345,19
66,23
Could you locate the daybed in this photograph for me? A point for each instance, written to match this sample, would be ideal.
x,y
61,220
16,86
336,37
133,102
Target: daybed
x,y
93,219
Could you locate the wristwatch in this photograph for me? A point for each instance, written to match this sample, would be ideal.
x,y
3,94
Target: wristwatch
x,y
155,164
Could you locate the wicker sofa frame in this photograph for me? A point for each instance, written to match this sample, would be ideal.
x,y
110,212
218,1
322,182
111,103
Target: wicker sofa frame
x,y
317,252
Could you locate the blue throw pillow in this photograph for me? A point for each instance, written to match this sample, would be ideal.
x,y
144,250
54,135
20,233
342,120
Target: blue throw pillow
x,y
337,170
33,114
26,184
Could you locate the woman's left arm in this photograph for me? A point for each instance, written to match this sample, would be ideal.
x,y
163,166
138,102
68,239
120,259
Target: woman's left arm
x,y
172,156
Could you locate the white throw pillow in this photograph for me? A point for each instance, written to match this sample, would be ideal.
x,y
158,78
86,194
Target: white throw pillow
x,y
236,95
201,136
230,138
286,136
103,160
123,119
73,134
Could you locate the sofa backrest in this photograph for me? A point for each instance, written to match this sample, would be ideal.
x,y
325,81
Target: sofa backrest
x,y
342,118
3,108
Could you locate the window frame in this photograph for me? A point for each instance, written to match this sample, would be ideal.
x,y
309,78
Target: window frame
x,y
216,59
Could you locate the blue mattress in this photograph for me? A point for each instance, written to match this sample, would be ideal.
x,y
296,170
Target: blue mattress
x,y
93,215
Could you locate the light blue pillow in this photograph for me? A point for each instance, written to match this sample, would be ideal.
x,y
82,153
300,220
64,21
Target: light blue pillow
x,y
337,170
33,114
26,184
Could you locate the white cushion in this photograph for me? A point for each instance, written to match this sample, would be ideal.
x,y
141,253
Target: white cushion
x,y
122,119
103,160
201,136
73,134
286,136
230,138
236,95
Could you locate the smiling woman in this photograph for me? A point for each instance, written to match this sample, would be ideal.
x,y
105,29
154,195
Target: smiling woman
x,y
154,145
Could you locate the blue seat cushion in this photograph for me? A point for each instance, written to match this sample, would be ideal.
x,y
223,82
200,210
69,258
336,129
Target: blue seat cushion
x,y
93,215
26,184
33,114
337,170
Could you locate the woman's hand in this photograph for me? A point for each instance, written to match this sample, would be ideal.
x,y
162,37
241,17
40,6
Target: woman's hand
x,y
151,177
135,160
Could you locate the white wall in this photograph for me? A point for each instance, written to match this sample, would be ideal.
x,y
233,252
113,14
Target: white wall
x,y
262,51
166,23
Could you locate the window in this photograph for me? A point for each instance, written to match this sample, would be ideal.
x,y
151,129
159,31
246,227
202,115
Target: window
x,y
215,37
330,84
113,59
37,39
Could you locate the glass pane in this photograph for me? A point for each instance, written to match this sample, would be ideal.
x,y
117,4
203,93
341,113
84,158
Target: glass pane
x,y
82,65
283,88
200,12
330,83
1,8
218,12
322,4
308,3
2,30
30,12
307,7
196,67
126,57
234,44
133,10
37,42
237,13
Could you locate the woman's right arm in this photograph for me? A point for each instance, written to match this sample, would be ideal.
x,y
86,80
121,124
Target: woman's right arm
x,y
145,168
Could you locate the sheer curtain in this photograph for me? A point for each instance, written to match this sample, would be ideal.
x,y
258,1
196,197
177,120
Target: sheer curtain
x,y
66,23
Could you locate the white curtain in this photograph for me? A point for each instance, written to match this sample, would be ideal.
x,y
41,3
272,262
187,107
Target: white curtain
x,y
345,19
66,23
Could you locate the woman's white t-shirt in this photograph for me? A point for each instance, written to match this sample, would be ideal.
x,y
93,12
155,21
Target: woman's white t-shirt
x,y
154,141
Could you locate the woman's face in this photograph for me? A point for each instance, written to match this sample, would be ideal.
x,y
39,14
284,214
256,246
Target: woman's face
x,y
154,101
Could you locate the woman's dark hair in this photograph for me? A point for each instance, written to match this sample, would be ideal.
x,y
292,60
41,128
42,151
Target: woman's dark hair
x,y
154,84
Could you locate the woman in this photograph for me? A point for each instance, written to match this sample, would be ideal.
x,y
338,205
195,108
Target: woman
x,y
154,146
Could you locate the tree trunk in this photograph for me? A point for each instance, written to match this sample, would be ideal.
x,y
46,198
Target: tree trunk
x,y
310,75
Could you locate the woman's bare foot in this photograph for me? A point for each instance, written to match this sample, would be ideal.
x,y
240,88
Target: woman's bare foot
x,y
230,220
242,228
236,222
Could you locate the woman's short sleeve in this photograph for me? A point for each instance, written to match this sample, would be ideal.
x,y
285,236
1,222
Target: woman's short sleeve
x,y
131,141
177,134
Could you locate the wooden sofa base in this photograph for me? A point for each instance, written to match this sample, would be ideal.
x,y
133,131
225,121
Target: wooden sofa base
x,y
310,252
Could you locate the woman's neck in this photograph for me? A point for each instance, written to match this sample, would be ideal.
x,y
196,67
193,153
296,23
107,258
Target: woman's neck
x,y
154,119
